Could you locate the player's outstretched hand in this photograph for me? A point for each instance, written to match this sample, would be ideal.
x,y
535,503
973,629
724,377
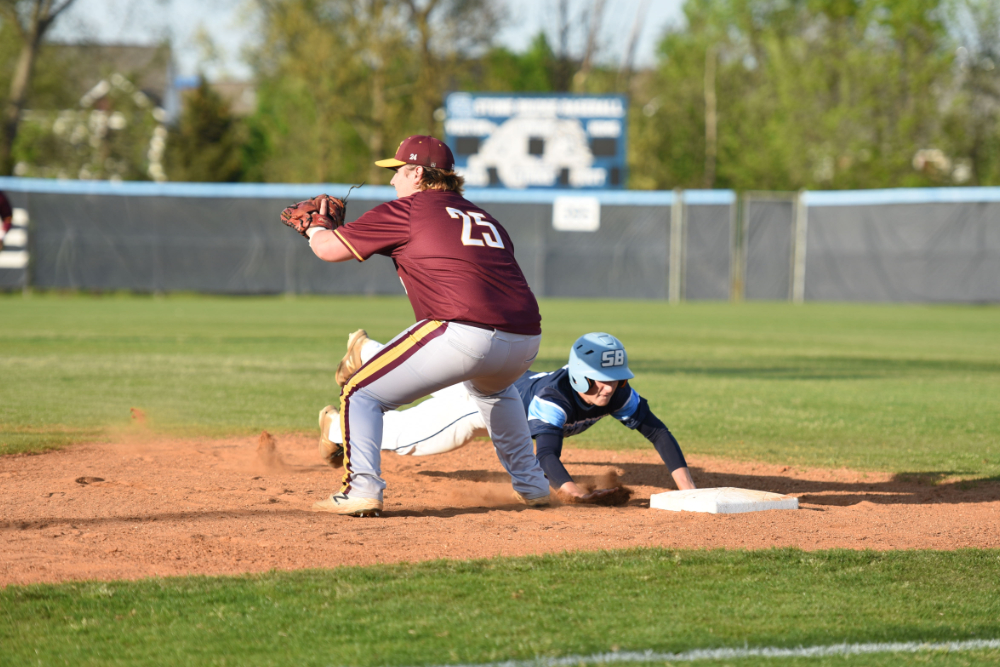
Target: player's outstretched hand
x,y
613,497
596,493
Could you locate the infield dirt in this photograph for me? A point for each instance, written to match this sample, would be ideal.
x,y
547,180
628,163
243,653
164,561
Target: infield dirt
x,y
149,506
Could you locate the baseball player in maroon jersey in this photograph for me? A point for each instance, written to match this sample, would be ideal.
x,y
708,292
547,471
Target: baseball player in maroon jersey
x,y
6,217
477,321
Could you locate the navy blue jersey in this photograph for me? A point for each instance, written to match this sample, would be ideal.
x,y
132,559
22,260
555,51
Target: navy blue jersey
x,y
555,411
553,406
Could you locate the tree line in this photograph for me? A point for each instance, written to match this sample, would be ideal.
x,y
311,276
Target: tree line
x,y
747,94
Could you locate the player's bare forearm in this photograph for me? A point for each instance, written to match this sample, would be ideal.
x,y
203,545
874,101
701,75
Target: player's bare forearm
x,y
327,246
682,478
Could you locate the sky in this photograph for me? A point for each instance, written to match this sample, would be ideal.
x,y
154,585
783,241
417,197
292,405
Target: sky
x,y
228,24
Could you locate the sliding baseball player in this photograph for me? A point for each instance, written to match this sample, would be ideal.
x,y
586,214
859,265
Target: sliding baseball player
x,y
558,404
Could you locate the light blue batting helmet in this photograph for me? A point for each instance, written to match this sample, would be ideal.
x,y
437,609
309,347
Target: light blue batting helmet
x,y
597,356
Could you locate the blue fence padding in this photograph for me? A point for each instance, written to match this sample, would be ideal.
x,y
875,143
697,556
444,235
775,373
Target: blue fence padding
x,y
294,191
487,195
368,192
606,197
709,197
900,196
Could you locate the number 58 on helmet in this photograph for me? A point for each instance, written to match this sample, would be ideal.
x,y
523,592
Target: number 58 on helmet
x,y
597,356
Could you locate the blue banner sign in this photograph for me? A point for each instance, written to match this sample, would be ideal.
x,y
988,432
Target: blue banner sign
x,y
538,141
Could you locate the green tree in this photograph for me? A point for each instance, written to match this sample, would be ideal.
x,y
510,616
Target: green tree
x,y
31,20
502,70
808,94
443,34
208,144
341,81
113,133
973,120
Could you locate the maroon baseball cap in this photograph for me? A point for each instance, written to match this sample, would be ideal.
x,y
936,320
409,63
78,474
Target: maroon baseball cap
x,y
421,150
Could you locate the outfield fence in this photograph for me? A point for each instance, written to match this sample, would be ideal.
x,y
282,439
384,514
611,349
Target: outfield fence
x,y
907,245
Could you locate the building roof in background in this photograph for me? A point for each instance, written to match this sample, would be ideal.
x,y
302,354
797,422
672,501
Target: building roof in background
x,y
149,68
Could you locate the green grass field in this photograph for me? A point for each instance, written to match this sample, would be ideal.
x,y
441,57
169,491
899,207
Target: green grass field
x,y
893,388
485,611
897,388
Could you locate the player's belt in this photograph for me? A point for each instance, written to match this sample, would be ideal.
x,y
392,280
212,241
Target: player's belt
x,y
474,324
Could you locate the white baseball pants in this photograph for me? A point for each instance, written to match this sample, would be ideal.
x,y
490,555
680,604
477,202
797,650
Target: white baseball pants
x,y
445,422
426,358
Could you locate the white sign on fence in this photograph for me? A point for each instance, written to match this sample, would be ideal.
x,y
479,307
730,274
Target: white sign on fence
x,y
576,214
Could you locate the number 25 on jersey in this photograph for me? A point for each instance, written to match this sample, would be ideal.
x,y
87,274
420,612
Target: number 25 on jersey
x,y
490,235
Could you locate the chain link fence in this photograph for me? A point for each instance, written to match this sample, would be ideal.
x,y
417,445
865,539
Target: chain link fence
x,y
892,245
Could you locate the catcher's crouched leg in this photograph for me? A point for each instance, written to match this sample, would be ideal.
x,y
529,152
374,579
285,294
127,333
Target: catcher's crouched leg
x,y
330,451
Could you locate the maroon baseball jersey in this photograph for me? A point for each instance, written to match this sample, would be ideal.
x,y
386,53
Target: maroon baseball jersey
x,y
456,262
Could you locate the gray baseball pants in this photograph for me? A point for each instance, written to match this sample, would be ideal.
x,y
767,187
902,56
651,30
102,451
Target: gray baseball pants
x,y
427,357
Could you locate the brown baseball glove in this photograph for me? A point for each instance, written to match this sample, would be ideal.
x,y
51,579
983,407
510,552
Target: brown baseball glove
x,y
615,497
322,211
331,452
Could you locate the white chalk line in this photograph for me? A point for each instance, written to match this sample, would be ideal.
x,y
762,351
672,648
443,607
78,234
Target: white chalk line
x,y
746,652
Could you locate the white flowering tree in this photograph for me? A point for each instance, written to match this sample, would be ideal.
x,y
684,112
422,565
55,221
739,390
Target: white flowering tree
x,y
116,133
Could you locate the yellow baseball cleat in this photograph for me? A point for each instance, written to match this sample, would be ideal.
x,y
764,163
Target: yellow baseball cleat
x,y
351,362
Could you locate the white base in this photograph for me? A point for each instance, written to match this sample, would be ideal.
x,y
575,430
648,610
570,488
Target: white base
x,y
724,500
